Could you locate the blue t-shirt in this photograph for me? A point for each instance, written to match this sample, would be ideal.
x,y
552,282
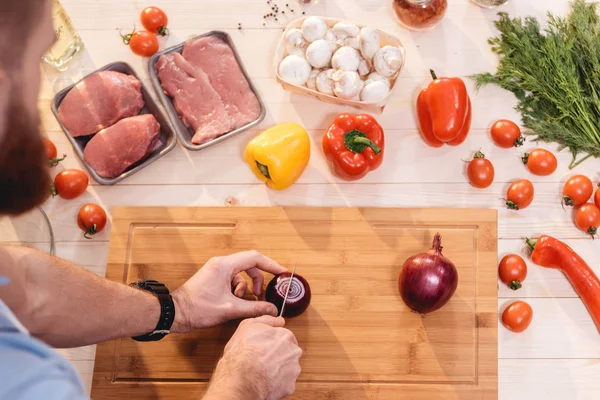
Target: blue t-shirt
x,y
31,370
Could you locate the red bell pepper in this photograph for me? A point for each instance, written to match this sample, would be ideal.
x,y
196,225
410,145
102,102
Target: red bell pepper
x,y
444,111
354,144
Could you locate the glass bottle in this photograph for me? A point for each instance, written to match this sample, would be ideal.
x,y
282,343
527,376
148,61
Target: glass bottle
x,y
420,14
68,42
489,3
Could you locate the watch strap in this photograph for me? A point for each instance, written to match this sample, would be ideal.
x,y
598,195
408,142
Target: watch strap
x,y
167,310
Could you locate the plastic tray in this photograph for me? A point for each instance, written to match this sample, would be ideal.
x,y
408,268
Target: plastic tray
x,y
185,134
167,140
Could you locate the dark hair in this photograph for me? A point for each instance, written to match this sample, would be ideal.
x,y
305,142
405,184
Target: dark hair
x,y
17,19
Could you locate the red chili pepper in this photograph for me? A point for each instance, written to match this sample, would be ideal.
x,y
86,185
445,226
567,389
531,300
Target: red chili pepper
x,y
552,253
444,111
354,145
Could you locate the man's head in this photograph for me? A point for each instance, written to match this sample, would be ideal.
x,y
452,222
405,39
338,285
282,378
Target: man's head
x,y
26,33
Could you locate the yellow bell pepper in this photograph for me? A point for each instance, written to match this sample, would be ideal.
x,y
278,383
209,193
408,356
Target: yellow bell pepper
x,y
279,155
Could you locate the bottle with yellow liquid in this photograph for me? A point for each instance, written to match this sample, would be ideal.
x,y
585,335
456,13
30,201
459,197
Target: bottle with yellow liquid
x,y
68,42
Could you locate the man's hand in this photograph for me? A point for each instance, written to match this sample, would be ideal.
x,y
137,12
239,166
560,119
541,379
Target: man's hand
x,y
213,295
261,361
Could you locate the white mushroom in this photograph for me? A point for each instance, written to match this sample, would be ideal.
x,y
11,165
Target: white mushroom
x,y
314,28
294,38
350,42
388,60
294,70
375,77
332,40
346,59
343,30
364,68
325,81
311,83
347,84
369,42
296,51
318,53
374,91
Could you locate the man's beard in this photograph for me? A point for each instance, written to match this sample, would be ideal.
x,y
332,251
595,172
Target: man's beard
x,y
24,179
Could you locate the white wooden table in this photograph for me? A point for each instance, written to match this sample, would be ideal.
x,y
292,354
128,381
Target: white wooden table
x,y
557,358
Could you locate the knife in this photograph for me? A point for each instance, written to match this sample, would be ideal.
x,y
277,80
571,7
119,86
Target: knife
x,y
287,291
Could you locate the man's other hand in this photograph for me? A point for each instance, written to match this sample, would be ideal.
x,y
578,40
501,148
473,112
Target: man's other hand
x,y
214,294
261,361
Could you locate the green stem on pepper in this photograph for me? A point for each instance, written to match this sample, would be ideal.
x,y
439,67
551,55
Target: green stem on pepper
x,y
357,141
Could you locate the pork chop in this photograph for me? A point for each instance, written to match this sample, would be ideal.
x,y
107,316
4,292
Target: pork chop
x,y
217,60
118,147
99,101
196,101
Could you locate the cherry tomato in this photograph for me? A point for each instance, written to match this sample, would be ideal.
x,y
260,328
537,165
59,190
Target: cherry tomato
x,y
51,153
519,195
597,197
50,149
506,134
587,218
540,162
155,20
512,271
70,183
480,171
578,190
142,43
517,316
91,219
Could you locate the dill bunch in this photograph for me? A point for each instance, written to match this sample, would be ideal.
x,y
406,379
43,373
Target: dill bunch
x,y
555,75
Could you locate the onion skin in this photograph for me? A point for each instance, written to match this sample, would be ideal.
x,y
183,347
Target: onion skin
x,y
299,298
428,280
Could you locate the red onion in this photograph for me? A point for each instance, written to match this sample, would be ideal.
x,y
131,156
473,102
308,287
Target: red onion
x,y
428,280
298,299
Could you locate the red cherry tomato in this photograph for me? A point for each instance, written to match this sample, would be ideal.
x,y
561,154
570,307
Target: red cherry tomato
x,y
480,171
517,316
587,218
51,153
91,219
142,43
155,20
519,195
70,183
578,190
512,271
540,162
506,134
597,197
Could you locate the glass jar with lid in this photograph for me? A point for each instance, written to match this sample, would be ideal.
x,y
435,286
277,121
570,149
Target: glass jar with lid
x,y
420,14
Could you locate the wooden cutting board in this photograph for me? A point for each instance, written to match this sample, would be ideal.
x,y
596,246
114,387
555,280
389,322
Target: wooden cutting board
x,y
359,339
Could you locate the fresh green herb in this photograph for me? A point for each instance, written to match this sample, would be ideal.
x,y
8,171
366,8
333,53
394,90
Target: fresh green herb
x,y
555,75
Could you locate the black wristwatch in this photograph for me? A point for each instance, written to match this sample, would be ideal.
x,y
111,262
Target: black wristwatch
x,y
167,310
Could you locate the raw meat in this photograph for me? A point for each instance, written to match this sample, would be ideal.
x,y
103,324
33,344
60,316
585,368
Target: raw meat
x,y
99,101
208,88
198,104
118,147
216,58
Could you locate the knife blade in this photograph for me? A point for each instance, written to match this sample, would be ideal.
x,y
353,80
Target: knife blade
x,y
287,292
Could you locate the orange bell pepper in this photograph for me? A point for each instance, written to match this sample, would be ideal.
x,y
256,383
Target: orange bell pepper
x,y
354,145
444,111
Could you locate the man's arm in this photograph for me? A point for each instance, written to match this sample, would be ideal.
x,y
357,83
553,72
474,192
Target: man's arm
x,y
67,306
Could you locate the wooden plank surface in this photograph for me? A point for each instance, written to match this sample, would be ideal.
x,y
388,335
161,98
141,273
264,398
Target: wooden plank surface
x,y
532,365
351,258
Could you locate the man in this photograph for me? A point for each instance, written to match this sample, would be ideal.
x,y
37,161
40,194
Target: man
x,y
63,305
